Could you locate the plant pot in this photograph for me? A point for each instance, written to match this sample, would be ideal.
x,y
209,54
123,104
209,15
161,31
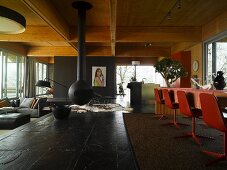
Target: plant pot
x,y
61,111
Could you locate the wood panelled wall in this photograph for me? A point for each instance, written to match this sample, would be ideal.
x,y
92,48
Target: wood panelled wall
x,y
185,58
196,54
143,60
214,27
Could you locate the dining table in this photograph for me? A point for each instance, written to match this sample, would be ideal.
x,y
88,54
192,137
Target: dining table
x,y
195,100
220,94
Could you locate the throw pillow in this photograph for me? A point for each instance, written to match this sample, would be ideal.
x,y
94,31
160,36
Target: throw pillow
x,y
27,102
17,102
35,106
5,103
12,103
33,103
38,101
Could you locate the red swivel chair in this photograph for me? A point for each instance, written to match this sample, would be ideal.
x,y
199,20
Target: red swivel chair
x,y
185,100
159,100
170,103
214,118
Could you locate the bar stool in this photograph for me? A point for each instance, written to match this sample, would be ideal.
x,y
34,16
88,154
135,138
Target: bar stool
x,y
186,109
170,103
213,117
159,100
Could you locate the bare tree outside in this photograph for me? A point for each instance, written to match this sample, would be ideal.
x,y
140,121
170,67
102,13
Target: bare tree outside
x,y
122,72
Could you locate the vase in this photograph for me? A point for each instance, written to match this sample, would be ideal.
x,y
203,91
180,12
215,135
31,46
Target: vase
x,y
61,111
219,81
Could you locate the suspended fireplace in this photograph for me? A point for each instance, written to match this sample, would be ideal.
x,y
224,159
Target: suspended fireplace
x,y
80,92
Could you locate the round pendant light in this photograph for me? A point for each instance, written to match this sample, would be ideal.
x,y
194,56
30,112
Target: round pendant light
x,y
11,21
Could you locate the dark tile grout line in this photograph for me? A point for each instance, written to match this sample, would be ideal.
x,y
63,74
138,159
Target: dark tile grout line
x,y
85,144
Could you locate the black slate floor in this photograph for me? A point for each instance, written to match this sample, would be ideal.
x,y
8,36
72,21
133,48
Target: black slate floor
x,y
84,141
96,141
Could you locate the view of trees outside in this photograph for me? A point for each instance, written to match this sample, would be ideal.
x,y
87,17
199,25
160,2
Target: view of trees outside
x,y
11,82
41,74
221,61
146,74
12,75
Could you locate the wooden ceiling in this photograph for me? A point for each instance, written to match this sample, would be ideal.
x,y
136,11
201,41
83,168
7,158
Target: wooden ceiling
x,y
122,28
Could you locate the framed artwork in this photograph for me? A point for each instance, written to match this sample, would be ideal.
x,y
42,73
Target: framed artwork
x,y
98,76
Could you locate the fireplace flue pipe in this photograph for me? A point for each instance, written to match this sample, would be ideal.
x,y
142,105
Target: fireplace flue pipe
x,y
80,92
81,6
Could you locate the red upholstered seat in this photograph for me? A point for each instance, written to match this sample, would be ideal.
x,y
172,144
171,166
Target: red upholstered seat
x,y
186,109
214,118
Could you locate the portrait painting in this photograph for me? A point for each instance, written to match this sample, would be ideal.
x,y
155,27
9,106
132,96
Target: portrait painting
x,y
98,76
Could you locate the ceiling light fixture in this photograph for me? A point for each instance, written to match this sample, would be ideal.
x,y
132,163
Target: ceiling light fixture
x,y
168,16
179,4
11,21
148,44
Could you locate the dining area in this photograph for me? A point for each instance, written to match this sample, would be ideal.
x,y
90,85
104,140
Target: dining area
x,y
199,105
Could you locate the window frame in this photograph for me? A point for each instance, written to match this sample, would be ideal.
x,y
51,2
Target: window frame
x,y
4,73
205,52
37,71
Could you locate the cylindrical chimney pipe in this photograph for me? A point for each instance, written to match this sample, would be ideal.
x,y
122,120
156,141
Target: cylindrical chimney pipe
x,y
80,92
81,6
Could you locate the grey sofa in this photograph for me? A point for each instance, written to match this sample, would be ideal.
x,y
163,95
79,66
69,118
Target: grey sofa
x,y
26,106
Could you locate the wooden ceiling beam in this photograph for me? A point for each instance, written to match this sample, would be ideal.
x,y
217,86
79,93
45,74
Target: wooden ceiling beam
x,y
139,51
39,34
159,34
182,46
93,34
51,16
33,34
113,18
98,51
15,47
68,51
51,51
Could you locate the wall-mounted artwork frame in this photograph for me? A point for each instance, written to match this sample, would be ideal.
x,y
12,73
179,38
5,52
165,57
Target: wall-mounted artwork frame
x,y
98,76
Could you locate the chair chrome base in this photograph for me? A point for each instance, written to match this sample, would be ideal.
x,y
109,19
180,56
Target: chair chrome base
x,y
219,157
194,137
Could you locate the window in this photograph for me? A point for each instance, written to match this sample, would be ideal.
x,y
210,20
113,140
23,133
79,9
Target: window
x,y
215,57
143,73
41,74
12,74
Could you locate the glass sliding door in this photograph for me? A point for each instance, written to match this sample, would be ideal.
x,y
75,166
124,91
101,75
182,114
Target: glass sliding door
x,y
20,75
12,75
1,73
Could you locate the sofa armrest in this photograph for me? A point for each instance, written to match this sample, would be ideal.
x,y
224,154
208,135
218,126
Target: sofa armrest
x,y
41,105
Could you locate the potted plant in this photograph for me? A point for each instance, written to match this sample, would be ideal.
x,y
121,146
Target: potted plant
x,y
170,70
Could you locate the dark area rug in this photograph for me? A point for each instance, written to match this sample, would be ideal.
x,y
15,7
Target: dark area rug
x,y
155,147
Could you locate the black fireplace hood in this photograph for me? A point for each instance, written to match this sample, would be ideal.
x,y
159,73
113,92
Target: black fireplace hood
x,y
80,92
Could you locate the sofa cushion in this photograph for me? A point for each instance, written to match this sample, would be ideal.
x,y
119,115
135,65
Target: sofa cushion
x,y
9,109
27,102
13,120
33,112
